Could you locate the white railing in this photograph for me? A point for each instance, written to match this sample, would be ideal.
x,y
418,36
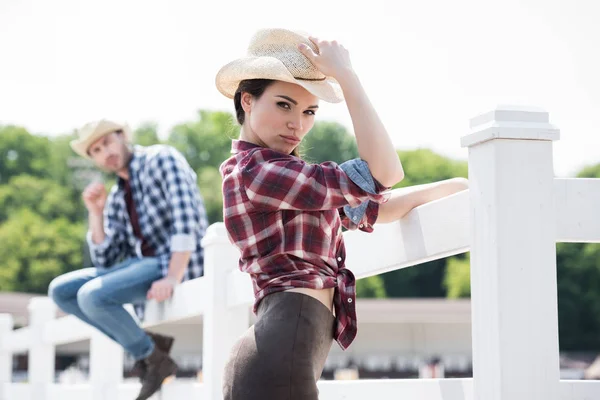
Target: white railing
x,y
510,219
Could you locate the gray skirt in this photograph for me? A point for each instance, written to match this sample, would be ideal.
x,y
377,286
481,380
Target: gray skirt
x,y
281,357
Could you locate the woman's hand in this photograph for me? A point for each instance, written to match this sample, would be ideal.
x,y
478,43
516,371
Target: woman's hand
x,y
332,60
374,143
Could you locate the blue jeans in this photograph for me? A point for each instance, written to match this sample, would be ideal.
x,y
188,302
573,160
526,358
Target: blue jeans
x,y
97,295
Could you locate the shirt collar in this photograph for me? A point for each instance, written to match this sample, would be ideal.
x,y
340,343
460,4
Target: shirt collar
x,y
237,146
133,166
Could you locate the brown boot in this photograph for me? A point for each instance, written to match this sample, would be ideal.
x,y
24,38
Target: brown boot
x,y
158,367
164,343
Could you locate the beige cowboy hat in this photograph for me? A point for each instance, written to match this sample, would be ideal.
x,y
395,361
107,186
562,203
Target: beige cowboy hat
x,y
274,54
93,131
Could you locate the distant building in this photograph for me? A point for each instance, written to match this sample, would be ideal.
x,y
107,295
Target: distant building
x,y
397,338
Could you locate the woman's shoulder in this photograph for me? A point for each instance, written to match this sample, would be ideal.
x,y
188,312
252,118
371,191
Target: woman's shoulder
x,y
261,159
252,158
265,154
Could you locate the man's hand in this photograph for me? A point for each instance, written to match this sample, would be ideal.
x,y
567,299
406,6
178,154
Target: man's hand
x,y
94,198
161,289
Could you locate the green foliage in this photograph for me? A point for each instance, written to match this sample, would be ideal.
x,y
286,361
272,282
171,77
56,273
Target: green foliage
x,y
207,141
427,280
592,171
209,182
578,275
58,167
425,166
34,251
371,287
22,153
328,141
146,134
42,196
457,280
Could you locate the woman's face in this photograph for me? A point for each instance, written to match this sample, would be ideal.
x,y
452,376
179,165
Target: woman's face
x,y
280,118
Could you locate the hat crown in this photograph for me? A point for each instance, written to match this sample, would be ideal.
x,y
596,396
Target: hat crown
x,y
102,126
88,129
93,131
283,45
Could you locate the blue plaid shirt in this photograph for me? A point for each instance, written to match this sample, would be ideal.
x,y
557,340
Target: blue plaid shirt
x,y
170,211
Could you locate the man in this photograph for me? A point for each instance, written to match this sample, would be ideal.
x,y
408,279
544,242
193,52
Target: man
x,y
144,239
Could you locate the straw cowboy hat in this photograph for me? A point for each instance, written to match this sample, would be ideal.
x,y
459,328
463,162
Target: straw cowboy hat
x,y
274,54
93,131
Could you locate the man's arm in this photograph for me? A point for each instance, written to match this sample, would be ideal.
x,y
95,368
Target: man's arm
x,y
105,237
178,182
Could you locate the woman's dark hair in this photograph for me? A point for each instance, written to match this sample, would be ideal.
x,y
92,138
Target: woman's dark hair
x,y
256,88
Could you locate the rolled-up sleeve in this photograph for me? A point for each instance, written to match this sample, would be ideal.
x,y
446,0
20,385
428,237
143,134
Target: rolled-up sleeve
x,y
273,181
364,215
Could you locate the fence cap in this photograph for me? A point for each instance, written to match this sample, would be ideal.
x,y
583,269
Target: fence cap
x,y
511,122
215,234
6,322
41,304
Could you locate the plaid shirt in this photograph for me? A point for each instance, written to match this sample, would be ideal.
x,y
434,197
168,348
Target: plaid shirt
x,y
169,207
286,217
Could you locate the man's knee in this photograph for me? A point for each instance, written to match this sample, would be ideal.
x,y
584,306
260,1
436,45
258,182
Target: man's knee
x,y
90,298
55,290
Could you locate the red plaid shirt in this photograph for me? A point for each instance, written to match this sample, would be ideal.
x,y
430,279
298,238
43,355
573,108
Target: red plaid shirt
x,y
286,217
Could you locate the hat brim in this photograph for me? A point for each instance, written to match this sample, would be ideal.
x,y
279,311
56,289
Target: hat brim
x,y
229,77
81,146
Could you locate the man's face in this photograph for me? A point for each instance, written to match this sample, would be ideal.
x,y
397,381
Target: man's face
x,y
110,152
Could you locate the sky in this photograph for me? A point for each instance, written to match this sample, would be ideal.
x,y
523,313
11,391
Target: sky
x,y
428,66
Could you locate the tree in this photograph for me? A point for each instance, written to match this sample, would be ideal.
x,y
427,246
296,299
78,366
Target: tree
x,y
205,142
60,155
209,182
591,171
22,153
45,197
34,251
146,134
425,280
328,141
457,279
371,287
578,279
425,166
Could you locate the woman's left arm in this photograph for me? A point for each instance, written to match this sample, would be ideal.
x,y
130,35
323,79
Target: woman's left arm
x,y
374,144
403,200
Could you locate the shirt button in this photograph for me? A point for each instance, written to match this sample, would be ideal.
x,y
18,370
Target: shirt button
x,y
361,226
349,300
339,258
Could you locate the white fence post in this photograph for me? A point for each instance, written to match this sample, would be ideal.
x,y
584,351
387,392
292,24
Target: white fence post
x,y
513,256
222,325
6,327
41,354
106,367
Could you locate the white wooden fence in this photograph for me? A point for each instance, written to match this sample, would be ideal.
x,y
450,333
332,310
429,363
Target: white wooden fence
x,y
510,219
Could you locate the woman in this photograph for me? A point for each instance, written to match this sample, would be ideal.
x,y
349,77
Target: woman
x,y
286,215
